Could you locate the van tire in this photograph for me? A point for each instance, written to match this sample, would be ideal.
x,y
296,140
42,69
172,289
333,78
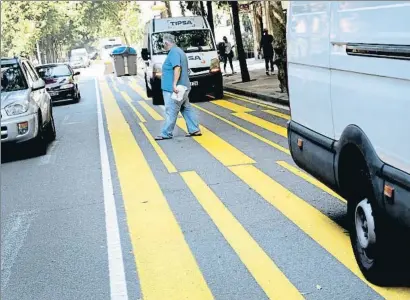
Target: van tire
x,y
370,233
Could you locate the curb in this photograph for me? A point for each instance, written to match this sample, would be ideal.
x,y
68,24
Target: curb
x,y
268,98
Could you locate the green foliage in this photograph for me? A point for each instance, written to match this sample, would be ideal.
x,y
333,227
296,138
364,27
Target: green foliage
x,y
65,24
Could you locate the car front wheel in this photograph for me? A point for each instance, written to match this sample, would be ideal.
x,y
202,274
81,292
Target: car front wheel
x,y
40,142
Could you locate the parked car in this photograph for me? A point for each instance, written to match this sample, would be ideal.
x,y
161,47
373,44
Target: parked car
x,y
77,62
26,110
60,81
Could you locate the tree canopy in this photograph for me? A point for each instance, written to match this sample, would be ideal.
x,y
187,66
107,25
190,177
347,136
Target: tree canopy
x,y
65,24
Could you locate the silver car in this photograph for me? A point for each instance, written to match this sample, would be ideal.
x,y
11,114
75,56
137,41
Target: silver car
x,y
26,110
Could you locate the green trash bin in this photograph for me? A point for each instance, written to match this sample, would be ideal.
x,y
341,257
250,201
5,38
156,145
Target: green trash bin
x,y
124,61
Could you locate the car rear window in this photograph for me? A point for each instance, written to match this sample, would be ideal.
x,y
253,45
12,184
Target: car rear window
x,y
12,78
53,71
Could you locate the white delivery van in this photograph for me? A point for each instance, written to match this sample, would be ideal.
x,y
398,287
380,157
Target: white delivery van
x,y
83,53
194,36
107,45
349,90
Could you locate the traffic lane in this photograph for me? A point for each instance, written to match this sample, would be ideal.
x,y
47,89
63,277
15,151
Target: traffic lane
x,y
259,218
53,214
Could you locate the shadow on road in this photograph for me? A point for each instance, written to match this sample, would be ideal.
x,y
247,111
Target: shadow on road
x,y
16,152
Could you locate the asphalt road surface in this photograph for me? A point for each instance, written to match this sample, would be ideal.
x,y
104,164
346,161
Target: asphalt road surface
x,y
109,213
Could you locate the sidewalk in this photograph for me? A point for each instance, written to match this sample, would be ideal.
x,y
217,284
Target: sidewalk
x,y
261,86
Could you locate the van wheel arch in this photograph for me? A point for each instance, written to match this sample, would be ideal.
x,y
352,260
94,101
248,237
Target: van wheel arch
x,y
355,145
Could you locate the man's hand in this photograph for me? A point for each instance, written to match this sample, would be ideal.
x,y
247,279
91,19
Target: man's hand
x,y
175,89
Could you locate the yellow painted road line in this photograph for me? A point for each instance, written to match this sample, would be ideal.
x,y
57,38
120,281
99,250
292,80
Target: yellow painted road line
x,y
138,90
166,267
255,135
263,124
263,269
152,112
232,106
129,101
227,154
310,179
165,160
277,114
237,97
315,224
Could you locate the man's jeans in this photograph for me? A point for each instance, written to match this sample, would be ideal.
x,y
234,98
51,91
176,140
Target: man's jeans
x,y
172,108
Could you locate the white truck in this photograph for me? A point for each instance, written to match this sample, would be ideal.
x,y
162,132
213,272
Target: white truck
x,y
349,89
194,36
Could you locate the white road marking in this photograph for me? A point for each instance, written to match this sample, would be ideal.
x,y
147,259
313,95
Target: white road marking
x,y
65,119
12,241
118,285
50,157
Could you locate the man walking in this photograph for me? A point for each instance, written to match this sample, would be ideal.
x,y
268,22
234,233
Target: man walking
x,y
175,73
266,45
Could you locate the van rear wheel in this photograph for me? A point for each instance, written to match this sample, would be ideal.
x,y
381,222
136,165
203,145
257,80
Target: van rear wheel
x,y
149,91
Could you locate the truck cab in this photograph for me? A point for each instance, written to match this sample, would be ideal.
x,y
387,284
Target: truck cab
x,y
194,36
349,87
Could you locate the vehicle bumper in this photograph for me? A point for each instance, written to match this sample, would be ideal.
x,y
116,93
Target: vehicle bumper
x,y
201,85
63,95
10,132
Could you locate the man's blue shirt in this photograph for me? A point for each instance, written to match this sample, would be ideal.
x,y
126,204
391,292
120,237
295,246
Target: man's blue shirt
x,y
176,57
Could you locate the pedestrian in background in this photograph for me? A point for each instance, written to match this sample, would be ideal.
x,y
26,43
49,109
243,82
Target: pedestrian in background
x,y
227,54
267,47
175,75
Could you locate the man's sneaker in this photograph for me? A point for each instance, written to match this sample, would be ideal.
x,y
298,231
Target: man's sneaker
x,y
267,73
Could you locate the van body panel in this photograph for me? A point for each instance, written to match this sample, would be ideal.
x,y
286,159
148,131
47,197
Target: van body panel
x,y
379,86
308,68
349,85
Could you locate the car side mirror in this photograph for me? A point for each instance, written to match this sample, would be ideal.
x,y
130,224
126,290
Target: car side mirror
x,y
77,73
145,54
38,85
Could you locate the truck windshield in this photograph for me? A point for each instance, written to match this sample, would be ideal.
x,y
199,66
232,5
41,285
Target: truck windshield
x,y
187,40
12,78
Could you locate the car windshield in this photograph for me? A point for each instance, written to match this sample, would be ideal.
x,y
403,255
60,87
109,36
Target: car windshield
x,y
12,78
187,40
53,71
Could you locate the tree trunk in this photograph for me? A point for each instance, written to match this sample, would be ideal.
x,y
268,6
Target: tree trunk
x,y
239,44
38,52
201,5
168,6
210,16
278,24
182,6
256,27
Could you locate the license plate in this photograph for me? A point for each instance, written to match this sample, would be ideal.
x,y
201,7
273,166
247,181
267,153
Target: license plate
x,y
194,83
53,93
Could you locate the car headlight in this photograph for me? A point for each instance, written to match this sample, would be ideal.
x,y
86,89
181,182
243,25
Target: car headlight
x,y
67,86
16,108
215,66
157,71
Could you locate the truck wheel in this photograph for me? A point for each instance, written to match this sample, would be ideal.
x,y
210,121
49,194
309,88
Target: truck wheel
x,y
219,93
157,98
149,91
